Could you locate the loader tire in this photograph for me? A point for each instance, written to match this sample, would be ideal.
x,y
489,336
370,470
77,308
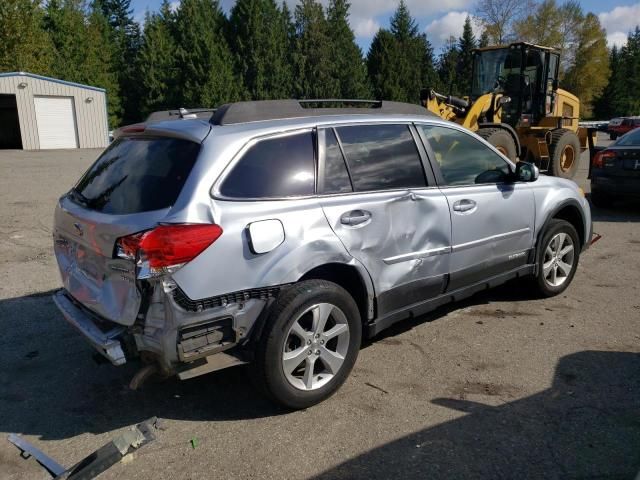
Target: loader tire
x,y
502,140
564,151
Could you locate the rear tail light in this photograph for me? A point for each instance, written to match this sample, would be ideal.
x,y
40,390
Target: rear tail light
x,y
166,248
600,159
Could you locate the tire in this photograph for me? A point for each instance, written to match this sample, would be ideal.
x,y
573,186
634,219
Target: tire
x,y
502,140
564,151
557,231
289,328
601,200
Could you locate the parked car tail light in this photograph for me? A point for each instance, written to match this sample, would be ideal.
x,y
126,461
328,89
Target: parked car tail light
x,y
601,158
166,248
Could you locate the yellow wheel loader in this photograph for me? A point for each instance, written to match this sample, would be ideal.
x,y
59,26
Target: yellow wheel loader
x,y
515,104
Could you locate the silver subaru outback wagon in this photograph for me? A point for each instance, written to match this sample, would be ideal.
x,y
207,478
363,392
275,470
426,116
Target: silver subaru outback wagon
x,y
279,233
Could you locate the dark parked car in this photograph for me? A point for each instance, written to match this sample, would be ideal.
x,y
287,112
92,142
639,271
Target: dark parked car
x,y
616,170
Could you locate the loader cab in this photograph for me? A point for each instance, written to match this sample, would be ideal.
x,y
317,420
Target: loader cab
x,y
526,73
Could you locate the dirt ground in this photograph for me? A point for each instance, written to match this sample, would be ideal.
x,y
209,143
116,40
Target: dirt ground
x,y
502,385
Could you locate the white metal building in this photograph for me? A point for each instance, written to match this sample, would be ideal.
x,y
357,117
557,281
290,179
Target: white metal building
x,y
38,112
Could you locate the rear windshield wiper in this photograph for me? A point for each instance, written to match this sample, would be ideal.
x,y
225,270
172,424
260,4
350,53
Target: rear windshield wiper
x,y
79,197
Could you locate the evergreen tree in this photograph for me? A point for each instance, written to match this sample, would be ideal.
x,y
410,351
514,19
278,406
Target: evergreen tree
x,y
484,39
464,70
447,68
260,43
127,37
156,62
313,69
203,58
588,76
611,100
101,63
400,60
24,44
348,67
65,23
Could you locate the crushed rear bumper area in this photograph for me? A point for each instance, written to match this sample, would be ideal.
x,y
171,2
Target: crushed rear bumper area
x,y
104,339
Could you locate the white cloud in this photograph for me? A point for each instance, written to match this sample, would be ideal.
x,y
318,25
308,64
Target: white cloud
x,y
365,28
616,38
619,22
451,24
173,6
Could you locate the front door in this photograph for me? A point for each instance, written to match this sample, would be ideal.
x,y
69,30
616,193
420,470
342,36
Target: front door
x,y
381,207
492,219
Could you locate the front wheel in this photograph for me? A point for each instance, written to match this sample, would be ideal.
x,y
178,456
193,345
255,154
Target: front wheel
x,y
558,256
309,345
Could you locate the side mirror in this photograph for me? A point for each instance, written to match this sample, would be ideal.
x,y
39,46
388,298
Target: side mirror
x,y
526,172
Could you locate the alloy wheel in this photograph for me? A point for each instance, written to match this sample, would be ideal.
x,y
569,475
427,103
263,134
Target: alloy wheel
x,y
558,259
315,347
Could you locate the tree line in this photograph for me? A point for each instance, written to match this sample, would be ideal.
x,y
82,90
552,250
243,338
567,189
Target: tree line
x,y
196,56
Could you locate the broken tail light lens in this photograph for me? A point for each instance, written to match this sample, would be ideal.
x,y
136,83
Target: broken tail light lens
x,y
600,159
166,248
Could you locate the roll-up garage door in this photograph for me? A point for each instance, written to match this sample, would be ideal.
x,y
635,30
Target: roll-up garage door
x,y
56,122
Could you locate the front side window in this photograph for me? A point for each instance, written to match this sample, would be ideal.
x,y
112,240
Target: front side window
x,y
463,160
381,157
274,168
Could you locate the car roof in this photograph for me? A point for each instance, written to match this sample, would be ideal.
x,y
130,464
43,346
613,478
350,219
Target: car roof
x,y
265,110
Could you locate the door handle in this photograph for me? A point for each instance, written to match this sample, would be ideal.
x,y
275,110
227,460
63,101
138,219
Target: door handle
x,y
464,205
355,217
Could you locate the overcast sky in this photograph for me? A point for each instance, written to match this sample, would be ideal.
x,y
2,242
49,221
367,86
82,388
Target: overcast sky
x,y
442,18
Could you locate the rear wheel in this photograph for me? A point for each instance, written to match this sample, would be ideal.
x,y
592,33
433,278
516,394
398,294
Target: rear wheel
x,y
564,151
558,256
502,140
310,344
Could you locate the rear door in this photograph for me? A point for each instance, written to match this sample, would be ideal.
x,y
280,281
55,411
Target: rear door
x,y
492,220
130,188
386,211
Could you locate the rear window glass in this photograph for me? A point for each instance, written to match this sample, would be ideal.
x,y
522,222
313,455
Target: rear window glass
x,y
381,157
630,139
274,168
137,175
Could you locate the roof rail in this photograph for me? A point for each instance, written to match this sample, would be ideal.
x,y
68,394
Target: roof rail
x,y
245,112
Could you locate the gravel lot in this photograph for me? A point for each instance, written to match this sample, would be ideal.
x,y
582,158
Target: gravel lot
x,y
500,386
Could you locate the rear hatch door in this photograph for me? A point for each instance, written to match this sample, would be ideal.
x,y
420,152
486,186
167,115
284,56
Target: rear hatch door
x,y
130,188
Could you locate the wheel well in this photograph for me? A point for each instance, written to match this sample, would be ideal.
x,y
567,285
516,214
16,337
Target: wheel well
x,y
348,278
572,215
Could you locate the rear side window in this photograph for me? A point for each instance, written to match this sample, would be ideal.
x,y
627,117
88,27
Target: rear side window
x,y
137,175
274,168
381,157
336,176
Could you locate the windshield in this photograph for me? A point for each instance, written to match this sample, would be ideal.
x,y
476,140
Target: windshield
x,y
492,65
631,139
